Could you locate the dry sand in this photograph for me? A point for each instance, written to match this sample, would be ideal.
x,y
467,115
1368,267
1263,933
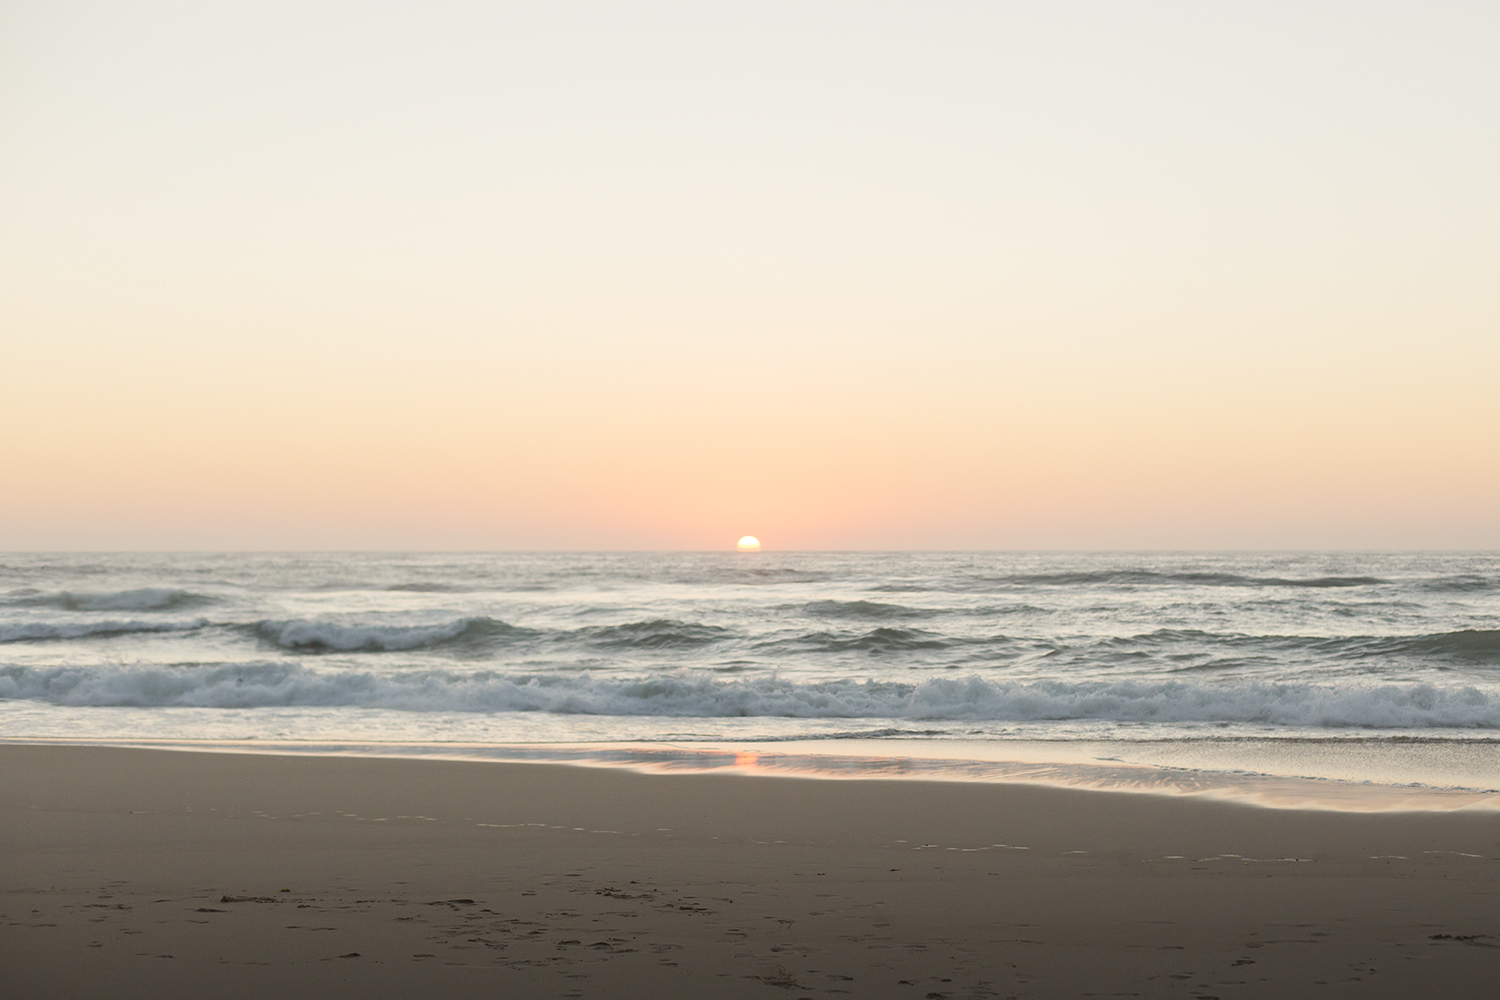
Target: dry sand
x,y
147,873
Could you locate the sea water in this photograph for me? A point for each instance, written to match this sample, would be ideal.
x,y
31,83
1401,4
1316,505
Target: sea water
x,y
1359,668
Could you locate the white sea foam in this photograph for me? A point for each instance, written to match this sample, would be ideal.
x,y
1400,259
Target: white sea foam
x,y
692,694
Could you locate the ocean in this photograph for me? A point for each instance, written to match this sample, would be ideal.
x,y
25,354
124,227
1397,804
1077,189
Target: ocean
x,y
1356,669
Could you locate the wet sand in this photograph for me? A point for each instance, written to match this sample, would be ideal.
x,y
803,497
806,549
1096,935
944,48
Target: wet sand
x,y
146,873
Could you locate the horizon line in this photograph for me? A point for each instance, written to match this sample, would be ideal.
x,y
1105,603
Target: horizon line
x,y
761,552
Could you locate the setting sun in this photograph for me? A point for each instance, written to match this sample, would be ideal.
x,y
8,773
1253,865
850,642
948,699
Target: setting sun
x,y
748,544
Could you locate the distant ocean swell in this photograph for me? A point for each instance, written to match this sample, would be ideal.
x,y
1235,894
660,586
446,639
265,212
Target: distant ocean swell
x,y
693,694
162,598
1126,579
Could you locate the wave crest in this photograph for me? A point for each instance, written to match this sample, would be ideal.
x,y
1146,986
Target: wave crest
x,y
52,631
1461,584
324,636
140,599
861,609
658,633
1144,577
1475,645
691,694
875,642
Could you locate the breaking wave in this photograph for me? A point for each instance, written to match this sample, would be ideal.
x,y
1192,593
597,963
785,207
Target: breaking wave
x,y
692,694
323,636
480,635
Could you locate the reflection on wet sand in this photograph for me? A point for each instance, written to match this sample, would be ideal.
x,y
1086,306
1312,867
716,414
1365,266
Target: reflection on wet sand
x,y
1305,780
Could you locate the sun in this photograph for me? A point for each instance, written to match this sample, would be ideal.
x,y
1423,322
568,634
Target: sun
x,y
748,544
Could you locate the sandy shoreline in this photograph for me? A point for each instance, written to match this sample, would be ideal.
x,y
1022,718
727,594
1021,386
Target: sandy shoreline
x,y
420,877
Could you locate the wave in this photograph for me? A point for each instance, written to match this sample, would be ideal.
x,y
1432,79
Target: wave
x,y
659,633
690,694
141,599
875,641
455,588
479,632
1462,584
1482,645
478,635
1141,578
745,572
860,609
316,636
1469,645
427,588
53,631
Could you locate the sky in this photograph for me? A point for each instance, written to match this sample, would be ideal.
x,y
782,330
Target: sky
x,y
656,275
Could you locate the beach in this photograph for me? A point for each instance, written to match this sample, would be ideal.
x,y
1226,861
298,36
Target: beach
x,y
157,873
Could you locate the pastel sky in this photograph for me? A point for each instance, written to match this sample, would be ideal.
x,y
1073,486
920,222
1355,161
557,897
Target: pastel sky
x,y
655,275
